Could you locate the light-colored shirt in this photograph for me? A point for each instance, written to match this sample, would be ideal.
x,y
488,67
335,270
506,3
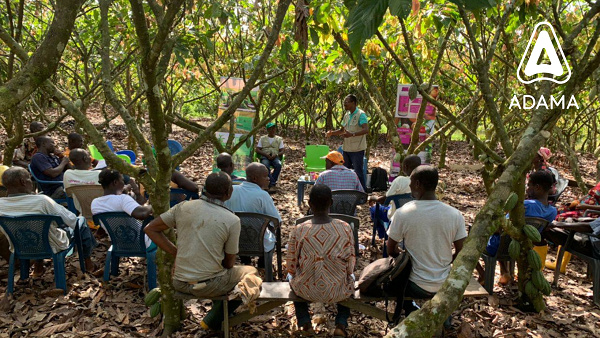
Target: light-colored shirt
x,y
271,139
321,260
79,177
340,178
205,232
249,197
21,205
400,186
428,229
116,203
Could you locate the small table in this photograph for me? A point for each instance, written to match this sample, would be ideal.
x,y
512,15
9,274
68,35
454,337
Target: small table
x,y
301,185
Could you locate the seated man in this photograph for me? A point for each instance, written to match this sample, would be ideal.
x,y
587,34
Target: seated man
x,y
225,164
48,167
270,147
75,141
207,245
115,201
337,176
23,154
82,174
399,186
536,205
429,229
590,246
21,201
331,260
250,196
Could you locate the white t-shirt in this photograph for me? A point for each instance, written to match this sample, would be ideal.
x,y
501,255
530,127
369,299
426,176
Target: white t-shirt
x,y
428,229
79,177
116,203
401,185
271,139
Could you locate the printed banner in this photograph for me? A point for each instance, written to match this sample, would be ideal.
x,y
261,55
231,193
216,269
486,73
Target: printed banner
x,y
407,108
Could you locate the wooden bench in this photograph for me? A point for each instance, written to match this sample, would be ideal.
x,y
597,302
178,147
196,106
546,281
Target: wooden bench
x,y
274,294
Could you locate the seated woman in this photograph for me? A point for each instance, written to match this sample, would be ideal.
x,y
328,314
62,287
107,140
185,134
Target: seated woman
x,y
321,270
540,162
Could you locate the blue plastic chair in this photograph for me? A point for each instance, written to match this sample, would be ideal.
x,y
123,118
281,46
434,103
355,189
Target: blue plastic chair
x,y
399,201
174,146
39,182
179,195
129,153
127,240
110,146
29,237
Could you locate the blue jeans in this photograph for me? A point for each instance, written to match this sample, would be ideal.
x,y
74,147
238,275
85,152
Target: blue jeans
x,y
276,164
303,317
355,160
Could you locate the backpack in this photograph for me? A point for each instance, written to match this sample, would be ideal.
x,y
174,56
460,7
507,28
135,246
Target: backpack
x,y
387,277
379,179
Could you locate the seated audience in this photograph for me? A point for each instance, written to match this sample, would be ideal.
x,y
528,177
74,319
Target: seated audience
x,y
536,205
330,262
250,196
207,245
49,167
115,201
21,201
337,176
225,164
577,208
270,148
429,229
23,154
75,141
540,162
400,186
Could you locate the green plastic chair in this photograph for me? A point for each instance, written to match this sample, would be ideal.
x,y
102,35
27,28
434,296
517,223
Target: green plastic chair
x,y
95,153
125,158
313,161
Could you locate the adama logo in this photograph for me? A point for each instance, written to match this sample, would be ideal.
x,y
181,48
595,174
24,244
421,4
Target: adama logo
x,y
543,43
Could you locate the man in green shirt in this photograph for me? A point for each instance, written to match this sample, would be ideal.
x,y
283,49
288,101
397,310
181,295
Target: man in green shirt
x,y
354,130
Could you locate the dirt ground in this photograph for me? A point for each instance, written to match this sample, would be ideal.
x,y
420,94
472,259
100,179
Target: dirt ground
x,y
116,308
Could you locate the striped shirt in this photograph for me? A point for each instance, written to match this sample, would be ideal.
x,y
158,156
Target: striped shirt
x,y
340,178
25,204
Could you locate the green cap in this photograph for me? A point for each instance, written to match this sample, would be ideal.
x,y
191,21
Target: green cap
x,y
271,124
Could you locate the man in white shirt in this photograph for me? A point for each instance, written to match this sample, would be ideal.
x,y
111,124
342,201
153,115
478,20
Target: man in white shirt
x,y
22,201
401,185
428,229
270,147
82,174
115,201
250,196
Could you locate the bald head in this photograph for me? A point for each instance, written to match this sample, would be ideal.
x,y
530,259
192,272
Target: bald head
x,y
36,126
218,185
225,163
80,158
255,172
17,180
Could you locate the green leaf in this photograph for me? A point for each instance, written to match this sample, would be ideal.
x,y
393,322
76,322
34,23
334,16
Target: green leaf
x,y
363,21
400,8
314,36
475,4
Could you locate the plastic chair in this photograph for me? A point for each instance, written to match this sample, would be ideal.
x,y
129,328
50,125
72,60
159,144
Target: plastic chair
x,y
174,146
593,262
84,194
40,182
127,240
252,236
399,201
110,146
178,195
95,153
354,223
313,161
29,237
128,153
125,158
345,201
503,256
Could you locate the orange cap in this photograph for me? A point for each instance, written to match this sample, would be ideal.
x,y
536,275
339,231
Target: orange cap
x,y
334,157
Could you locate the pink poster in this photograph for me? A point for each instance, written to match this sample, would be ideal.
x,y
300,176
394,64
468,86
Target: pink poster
x,y
407,108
